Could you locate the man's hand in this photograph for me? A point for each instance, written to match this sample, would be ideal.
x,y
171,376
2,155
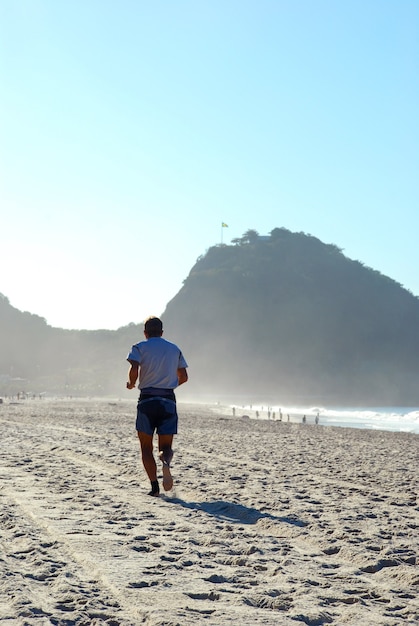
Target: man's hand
x,y
130,385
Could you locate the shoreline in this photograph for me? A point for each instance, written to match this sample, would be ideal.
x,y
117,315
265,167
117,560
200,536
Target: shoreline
x,y
392,419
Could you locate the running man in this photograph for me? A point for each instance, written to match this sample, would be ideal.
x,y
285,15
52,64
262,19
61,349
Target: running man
x,y
160,367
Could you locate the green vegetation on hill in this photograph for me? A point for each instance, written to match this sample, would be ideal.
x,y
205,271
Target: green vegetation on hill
x,y
283,317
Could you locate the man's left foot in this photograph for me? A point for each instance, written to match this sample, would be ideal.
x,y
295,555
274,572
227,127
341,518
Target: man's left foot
x,y
155,489
167,476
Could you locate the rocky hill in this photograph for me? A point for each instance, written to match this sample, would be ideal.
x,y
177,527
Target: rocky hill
x,y
36,358
287,317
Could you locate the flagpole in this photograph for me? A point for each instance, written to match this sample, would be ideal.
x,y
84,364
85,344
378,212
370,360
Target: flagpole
x,y
223,225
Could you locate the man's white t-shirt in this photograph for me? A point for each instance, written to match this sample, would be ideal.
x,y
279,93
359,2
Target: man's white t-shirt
x,y
159,361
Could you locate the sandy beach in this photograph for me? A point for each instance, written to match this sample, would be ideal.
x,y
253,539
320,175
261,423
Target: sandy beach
x,y
268,523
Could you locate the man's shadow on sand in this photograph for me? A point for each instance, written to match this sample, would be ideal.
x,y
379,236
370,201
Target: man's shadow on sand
x,y
234,513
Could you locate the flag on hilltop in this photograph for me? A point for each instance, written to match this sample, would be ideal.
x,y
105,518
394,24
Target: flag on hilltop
x,y
224,225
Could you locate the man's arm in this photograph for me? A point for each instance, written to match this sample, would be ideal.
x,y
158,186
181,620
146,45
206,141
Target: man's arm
x,y
132,374
182,375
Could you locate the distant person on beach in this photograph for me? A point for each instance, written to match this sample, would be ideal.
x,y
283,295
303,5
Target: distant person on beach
x,y
160,367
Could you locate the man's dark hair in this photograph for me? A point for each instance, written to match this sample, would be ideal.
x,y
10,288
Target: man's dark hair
x,y
153,326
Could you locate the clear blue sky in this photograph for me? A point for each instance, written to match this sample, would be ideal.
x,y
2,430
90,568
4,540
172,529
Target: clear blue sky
x,y
130,130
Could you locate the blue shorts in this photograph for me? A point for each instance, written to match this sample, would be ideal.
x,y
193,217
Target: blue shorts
x,y
157,414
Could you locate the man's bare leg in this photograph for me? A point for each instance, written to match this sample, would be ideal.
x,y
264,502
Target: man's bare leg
x,y
149,462
165,446
166,455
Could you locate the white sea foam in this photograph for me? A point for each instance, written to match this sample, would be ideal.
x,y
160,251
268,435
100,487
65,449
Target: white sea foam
x,y
398,419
